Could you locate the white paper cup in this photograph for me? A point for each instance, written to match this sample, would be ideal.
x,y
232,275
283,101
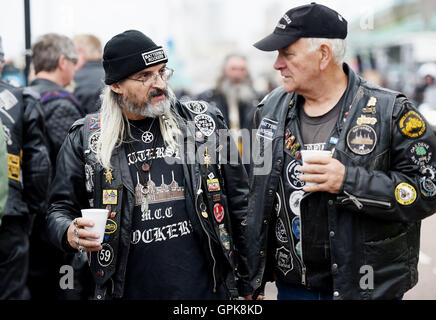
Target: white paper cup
x,y
99,217
307,154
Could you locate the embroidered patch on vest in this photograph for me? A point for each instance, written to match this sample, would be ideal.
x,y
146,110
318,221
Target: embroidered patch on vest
x,y
110,196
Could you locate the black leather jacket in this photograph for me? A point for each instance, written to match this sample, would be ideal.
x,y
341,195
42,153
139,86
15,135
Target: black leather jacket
x,y
375,220
60,111
69,195
28,159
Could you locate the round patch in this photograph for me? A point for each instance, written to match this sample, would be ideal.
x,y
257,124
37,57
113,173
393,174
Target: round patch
x,y
361,139
105,255
147,137
198,135
405,194
111,226
296,227
197,107
205,124
428,188
92,142
428,171
218,212
281,231
412,125
293,175
294,201
278,205
298,249
420,153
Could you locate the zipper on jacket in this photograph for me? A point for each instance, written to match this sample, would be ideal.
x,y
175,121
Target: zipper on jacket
x,y
359,204
199,192
300,260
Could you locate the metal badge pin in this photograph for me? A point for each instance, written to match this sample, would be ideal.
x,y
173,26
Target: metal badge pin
x,y
108,175
207,160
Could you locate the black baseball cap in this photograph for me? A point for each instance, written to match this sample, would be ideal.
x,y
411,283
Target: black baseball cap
x,y
308,21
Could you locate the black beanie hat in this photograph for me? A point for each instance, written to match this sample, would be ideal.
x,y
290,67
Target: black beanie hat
x,y
130,52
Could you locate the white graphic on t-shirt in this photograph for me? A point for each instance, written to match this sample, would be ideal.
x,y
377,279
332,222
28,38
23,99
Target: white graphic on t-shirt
x,y
157,194
164,233
147,154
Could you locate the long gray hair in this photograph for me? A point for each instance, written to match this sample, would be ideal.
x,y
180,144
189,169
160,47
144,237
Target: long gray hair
x,y
115,126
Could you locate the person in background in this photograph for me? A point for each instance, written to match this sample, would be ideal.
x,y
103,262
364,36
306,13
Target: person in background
x,y
54,58
234,95
90,73
3,172
28,173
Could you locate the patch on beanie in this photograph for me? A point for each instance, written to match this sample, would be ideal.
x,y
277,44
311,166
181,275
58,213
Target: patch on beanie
x,y
154,56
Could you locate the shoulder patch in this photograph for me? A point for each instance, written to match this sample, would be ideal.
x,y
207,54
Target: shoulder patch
x,y
197,107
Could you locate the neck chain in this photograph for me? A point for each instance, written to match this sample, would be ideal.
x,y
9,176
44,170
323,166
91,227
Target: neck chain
x,y
147,136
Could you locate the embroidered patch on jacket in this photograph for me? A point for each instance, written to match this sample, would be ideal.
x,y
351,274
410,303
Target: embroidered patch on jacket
x,y
13,167
412,125
213,185
197,107
361,139
110,196
111,226
94,122
205,124
420,153
267,128
405,194
284,260
218,211
106,255
427,187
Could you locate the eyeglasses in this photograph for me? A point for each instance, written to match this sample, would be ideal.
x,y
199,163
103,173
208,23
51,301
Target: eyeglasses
x,y
150,78
72,59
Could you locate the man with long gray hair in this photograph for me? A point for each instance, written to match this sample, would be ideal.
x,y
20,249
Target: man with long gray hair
x,y
175,227
345,224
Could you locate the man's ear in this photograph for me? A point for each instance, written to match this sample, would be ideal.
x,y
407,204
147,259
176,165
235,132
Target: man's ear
x,y
61,62
115,87
326,56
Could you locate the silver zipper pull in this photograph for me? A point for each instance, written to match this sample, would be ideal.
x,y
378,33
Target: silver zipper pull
x,y
200,191
358,204
303,276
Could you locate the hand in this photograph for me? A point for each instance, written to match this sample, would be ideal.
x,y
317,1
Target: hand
x,y
76,235
327,172
250,297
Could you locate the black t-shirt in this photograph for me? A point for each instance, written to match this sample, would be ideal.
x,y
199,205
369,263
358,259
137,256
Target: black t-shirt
x,y
165,259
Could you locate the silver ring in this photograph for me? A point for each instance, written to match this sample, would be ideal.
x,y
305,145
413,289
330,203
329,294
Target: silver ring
x,y
77,240
81,248
76,232
75,222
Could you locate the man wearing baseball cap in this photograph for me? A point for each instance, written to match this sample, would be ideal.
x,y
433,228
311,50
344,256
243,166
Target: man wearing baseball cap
x,y
172,230
345,225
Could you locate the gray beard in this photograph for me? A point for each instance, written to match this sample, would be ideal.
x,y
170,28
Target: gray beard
x,y
147,109
242,91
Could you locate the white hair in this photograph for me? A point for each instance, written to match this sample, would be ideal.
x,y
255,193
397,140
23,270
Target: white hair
x,y
338,46
113,125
